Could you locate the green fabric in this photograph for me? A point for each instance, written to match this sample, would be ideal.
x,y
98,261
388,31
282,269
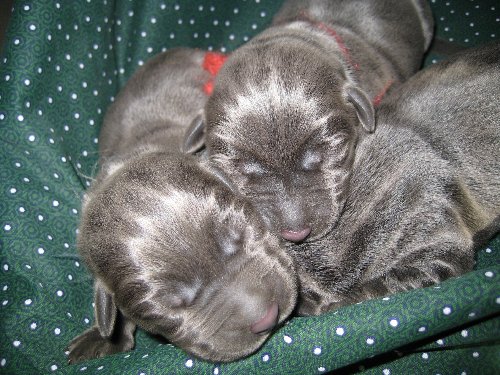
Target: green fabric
x,y
63,63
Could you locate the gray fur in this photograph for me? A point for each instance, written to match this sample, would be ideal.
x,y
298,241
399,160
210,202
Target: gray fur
x,y
424,192
171,247
289,106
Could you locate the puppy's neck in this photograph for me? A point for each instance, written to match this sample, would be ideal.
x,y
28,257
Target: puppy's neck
x,y
352,66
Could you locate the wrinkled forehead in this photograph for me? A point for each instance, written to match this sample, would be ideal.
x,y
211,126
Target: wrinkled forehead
x,y
271,117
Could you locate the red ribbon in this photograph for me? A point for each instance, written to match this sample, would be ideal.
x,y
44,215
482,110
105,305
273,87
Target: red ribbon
x,y
212,63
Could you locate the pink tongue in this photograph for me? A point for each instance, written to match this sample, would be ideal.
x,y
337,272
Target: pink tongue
x,y
295,236
268,321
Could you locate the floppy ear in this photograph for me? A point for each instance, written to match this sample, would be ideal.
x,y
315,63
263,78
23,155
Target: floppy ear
x,y
363,105
194,138
105,311
217,172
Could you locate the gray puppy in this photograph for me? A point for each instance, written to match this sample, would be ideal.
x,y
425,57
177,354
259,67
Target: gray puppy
x,y
289,107
171,247
424,191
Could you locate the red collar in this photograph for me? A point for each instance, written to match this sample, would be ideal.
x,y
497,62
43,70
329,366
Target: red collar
x,y
212,63
303,16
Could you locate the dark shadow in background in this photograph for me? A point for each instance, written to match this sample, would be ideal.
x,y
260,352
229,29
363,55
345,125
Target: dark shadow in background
x,y
5,10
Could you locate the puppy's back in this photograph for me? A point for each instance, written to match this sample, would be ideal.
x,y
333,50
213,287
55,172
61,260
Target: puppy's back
x,y
156,105
453,108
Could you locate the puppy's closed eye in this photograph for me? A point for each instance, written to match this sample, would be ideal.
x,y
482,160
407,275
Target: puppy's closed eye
x,y
229,238
311,160
252,169
183,294
230,241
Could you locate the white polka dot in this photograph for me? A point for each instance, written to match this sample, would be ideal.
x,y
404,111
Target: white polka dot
x,y
16,343
33,325
340,331
53,367
317,350
488,250
20,118
386,371
447,310
13,190
287,339
57,331
464,333
321,369
440,342
3,362
489,274
370,340
28,302
422,329
475,354
265,357
7,227
40,250
498,300
425,356
216,371
60,293
189,363
394,323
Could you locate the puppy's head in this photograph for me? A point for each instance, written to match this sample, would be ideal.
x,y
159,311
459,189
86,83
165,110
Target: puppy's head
x,y
186,259
284,127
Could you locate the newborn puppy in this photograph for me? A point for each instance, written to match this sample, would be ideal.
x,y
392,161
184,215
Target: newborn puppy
x,y
289,107
172,248
424,192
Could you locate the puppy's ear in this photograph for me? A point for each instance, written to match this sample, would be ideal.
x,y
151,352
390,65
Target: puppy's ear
x,y
363,105
194,138
105,311
223,178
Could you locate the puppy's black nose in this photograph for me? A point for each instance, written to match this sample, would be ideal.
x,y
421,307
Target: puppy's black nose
x,y
268,321
296,235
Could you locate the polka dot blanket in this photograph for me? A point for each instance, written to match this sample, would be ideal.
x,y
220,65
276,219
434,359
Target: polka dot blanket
x,y
63,62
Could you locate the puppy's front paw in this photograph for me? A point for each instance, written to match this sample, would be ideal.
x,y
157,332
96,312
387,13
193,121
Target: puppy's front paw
x,y
91,344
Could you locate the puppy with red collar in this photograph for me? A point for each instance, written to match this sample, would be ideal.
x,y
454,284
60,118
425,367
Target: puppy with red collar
x,y
289,107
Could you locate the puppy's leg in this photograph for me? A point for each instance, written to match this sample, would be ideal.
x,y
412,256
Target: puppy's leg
x,y
112,332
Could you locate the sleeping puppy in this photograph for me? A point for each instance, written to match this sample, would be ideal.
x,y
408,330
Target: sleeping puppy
x,y
171,247
289,107
424,191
